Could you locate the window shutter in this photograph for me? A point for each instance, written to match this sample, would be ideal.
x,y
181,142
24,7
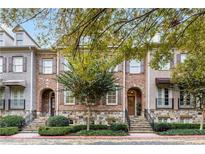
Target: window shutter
x,y
172,63
62,64
142,66
24,64
10,64
178,58
119,97
40,66
127,66
54,66
4,64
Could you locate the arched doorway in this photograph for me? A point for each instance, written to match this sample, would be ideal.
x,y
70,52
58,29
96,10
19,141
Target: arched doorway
x,y
134,102
48,102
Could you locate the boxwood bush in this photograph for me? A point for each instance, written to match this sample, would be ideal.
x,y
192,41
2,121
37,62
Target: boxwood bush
x,y
53,131
77,128
101,133
183,132
119,127
57,121
13,121
2,124
7,131
159,127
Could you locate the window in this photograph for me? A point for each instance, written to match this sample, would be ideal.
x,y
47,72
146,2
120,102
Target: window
x,y
17,98
65,63
1,98
17,64
47,66
183,57
19,39
1,64
165,67
135,66
185,100
111,98
163,99
68,98
1,39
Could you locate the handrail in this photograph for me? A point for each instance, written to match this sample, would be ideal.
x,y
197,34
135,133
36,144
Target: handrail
x,y
127,118
149,118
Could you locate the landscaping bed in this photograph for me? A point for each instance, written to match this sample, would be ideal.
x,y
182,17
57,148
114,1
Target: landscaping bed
x,y
7,131
183,132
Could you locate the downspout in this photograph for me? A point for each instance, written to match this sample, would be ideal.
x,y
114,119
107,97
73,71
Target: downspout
x,y
148,83
31,89
124,90
57,92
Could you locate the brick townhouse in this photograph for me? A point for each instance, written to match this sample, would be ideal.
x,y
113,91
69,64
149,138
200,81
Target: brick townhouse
x,y
28,87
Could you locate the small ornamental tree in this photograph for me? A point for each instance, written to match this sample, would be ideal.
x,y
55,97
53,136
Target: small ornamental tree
x,y
89,79
190,76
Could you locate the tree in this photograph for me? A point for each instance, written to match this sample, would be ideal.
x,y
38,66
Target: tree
x,y
190,76
89,79
130,32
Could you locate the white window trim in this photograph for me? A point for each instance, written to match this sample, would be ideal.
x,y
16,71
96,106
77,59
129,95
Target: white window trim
x,y
43,70
65,100
140,63
13,65
2,59
170,93
116,97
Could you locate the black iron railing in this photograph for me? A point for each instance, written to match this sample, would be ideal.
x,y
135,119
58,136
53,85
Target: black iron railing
x,y
149,118
182,104
17,104
127,118
164,103
2,104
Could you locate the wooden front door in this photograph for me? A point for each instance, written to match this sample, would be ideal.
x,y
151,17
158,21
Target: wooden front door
x,y
131,105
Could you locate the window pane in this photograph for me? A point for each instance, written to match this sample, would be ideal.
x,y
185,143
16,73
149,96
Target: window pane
x,y
17,64
183,57
47,66
135,66
69,99
111,98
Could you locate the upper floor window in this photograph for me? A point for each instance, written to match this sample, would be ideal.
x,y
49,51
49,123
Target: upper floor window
x,y
47,66
111,98
183,57
65,63
17,64
165,67
68,98
19,39
1,39
135,66
1,64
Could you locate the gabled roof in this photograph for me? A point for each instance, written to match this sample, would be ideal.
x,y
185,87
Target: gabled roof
x,y
3,30
19,28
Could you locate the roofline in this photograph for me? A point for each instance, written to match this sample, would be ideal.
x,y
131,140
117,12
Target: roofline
x,y
27,34
7,33
17,48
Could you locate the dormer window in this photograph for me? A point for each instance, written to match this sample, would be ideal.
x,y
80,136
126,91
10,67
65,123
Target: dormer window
x,y
19,39
1,39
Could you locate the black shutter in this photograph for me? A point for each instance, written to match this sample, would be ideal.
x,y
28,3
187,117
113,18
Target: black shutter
x,y
54,66
4,64
10,64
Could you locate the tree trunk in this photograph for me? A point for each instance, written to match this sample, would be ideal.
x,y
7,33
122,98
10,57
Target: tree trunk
x,y
202,119
88,118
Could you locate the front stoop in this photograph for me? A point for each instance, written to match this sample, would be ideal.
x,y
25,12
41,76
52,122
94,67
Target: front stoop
x,y
34,125
139,125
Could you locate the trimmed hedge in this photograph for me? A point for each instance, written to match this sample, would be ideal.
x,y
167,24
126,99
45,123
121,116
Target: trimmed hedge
x,y
2,124
77,128
57,121
119,127
101,133
53,131
183,132
7,131
159,127
13,121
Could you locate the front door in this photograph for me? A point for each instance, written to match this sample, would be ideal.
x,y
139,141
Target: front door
x,y
131,105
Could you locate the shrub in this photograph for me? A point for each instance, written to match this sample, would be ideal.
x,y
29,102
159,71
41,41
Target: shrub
x,y
57,121
159,127
7,131
183,132
77,128
101,133
53,131
119,127
2,124
14,121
